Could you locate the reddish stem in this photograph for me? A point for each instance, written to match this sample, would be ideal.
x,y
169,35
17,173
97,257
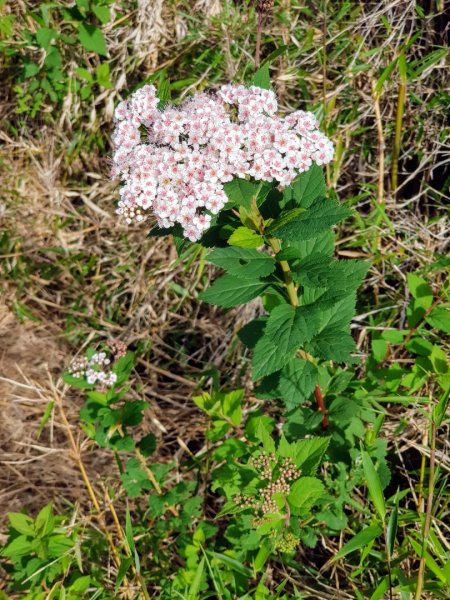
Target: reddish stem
x,y
258,41
321,406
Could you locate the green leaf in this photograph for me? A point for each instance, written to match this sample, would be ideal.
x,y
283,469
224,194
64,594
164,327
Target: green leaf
x,y
297,381
21,523
286,330
332,343
245,263
439,318
230,291
429,560
241,192
262,556
322,244
262,78
101,12
92,39
391,531
44,36
194,590
263,435
245,238
374,485
309,453
102,75
360,540
305,492
309,186
321,215
20,546
147,445
45,521
422,298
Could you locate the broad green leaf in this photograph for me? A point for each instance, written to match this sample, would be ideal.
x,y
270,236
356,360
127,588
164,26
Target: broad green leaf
x,y
422,299
45,521
20,546
245,263
44,36
309,186
285,218
321,215
241,192
297,381
262,78
332,343
101,12
92,39
374,485
21,523
309,453
103,76
439,318
286,330
305,492
245,238
263,435
322,244
230,291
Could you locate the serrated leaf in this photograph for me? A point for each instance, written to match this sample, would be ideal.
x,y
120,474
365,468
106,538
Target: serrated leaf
x,y
305,492
332,344
230,291
241,192
309,453
245,238
245,263
309,186
286,330
297,381
92,39
322,244
439,318
321,215
21,523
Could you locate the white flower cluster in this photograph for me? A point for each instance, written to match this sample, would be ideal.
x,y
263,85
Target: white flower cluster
x,y
95,370
190,151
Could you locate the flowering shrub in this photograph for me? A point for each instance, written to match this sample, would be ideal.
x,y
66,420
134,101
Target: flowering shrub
x,y
190,151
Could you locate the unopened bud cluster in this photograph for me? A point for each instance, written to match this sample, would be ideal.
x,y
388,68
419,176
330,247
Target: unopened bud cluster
x,y
97,369
279,476
177,170
284,541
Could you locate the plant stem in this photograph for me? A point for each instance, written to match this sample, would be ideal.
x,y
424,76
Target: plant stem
x,y
398,135
290,287
258,41
426,527
321,406
381,144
